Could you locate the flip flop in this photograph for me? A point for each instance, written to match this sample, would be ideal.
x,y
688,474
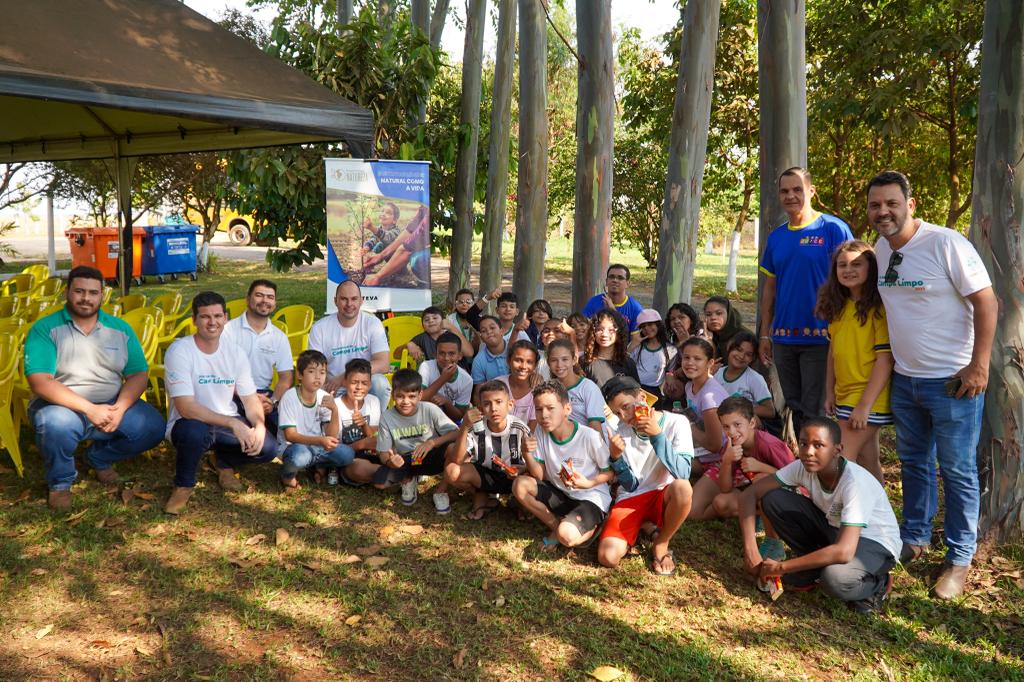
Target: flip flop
x,y
658,564
547,544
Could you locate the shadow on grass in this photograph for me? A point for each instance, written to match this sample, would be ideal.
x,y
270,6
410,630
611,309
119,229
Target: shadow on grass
x,y
459,586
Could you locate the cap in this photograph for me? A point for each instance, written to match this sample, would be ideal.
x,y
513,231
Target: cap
x,y
648,315
619,383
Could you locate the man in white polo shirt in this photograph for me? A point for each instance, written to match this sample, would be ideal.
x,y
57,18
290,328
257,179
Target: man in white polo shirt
x,y
349,334
941,312
203,375
265,345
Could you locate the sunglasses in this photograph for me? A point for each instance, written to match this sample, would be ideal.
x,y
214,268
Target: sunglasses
x,y
890,273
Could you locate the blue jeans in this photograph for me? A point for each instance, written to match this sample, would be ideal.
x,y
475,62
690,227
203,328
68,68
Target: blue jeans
x,y
298,457
192,438
60,429
930,427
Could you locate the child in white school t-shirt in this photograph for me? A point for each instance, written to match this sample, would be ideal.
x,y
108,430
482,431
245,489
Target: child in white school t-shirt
x,y
309,423
567,489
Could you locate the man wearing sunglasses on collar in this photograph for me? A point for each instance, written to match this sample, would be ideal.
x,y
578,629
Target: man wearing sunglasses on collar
x,y
941,313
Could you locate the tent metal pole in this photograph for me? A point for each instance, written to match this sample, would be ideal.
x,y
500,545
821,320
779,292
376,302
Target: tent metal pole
x,y
51,249
125,166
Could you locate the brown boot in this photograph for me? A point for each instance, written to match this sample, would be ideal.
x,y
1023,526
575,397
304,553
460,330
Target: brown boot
x,y
911,553
228,481
178,500
59,500
950,584
108,476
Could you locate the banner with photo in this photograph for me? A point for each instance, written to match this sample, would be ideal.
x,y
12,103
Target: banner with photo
x,y
378,231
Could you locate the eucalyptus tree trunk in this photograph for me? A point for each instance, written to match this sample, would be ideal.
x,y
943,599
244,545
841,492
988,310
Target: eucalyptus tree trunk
x,y
595,114
691,115
782,90
996,232
344,12
420,12
465,167
497,165
437,20
532,192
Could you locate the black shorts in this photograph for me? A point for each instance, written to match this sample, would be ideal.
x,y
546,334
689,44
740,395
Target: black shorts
x,y
493,480
583,514
431,465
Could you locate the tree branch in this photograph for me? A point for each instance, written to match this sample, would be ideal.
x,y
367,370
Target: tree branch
x,y
544,4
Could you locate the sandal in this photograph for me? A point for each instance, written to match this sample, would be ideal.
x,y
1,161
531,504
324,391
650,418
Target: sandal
x,y
658,564
549,544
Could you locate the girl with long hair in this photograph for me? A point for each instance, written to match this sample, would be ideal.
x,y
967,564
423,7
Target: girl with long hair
x,y
604,351
860,361
651,351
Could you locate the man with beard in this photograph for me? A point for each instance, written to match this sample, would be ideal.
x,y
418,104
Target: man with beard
x,y
203,377
265,345
615,297
349,334
87,371
941,313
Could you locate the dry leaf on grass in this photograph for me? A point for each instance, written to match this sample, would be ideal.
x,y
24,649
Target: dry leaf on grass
x,y
376,561
75,518
352,620
145,507
460,658
127,495
281,536
386,531
255,539
142,651
5,470
302,524
44,631
351,559
411,529
500,601
101,644
149,497
313,566
39,571
244,562
606,673
369,550
158,529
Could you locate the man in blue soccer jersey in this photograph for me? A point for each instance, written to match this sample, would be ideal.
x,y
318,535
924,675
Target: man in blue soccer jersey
x,y
796,260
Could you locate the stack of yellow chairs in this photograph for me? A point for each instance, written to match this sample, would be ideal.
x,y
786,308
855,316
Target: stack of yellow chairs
x,y
9,347
295,321
401,330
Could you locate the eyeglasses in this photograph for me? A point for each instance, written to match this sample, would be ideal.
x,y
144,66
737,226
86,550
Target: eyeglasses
x,y
622,277
894,261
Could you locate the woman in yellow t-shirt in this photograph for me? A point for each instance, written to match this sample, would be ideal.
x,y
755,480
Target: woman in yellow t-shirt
x,y
859,358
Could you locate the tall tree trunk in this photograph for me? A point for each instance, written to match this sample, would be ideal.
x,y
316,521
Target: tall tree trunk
x,y
996,232
465,167
691,115
782,90
497,165
737,234
532,192
595,114
437,20
344,12
421,21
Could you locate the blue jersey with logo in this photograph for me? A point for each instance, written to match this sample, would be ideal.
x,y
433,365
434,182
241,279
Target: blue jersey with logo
x,y
799,259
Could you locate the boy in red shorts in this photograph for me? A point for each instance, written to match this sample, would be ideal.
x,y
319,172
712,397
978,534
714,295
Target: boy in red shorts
x,y
651,453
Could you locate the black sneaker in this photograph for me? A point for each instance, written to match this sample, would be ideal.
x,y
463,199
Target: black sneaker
x,y
874,603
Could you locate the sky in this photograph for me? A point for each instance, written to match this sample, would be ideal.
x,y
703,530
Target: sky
x,y
651,17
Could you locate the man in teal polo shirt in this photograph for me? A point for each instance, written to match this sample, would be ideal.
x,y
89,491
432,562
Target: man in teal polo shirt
x,y
87,371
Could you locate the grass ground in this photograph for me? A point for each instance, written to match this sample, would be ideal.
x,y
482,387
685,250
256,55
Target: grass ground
x,y
364,587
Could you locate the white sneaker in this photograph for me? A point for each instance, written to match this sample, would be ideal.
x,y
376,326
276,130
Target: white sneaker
x,y
441,503
409,492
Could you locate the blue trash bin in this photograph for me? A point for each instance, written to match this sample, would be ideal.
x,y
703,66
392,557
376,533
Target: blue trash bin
x,y
169,250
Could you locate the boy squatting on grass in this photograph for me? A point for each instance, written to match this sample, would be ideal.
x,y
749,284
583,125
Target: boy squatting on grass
x,y
412,441
567,489
844,535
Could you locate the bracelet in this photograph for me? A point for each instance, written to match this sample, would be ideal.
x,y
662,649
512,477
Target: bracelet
x,y
767,337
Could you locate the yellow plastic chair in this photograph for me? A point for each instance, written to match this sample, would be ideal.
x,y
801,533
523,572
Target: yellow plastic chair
x,y
401,331
299,320
9,306
111,309
22,283
170,304
156,366
16,327
8,372
132,301
132,317
34,308
40,271
108,293
50,289
236,307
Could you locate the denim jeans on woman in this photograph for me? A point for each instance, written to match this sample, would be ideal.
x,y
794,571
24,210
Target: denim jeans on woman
x,y
933,427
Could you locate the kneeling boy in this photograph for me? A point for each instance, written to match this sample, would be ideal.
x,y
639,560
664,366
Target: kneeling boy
x,y
567,488
844,535
412,440
308,423
651,453
488,453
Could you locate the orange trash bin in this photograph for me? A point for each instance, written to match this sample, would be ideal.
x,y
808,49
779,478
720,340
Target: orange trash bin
x,y
98,247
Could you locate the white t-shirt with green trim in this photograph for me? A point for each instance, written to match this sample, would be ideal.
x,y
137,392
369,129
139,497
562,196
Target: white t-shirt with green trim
x,y
307,420
749,385
587,401
589,454
459,391
857,500
645,465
